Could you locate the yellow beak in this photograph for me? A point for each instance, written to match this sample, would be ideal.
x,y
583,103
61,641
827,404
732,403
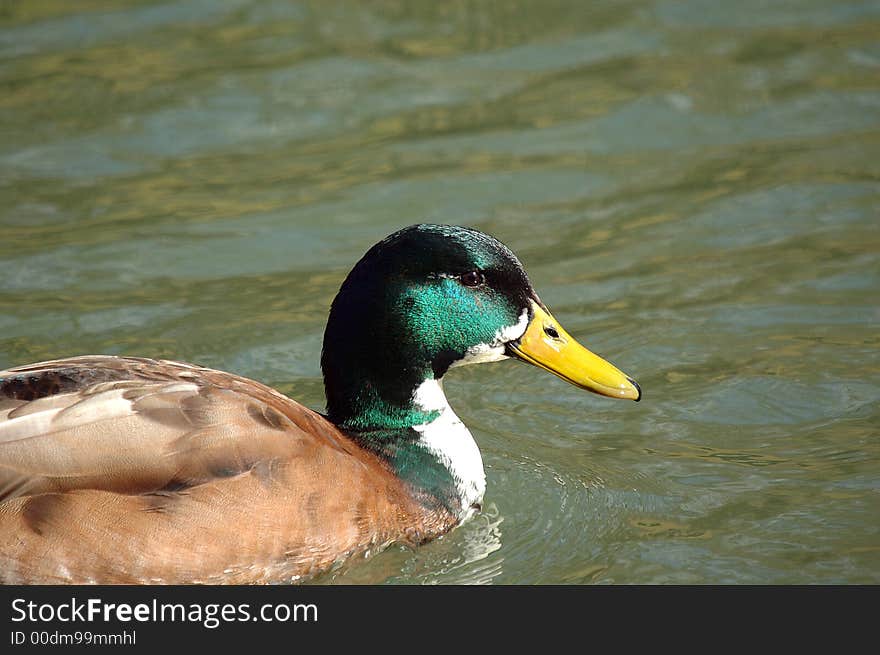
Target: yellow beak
x,y
546,345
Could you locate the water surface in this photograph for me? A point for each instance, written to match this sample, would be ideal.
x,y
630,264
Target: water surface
x,y
693,186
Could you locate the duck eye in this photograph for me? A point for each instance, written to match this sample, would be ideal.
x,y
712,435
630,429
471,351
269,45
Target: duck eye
x,y
472,278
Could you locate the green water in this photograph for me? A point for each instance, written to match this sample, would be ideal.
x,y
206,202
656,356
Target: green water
x,y
693,186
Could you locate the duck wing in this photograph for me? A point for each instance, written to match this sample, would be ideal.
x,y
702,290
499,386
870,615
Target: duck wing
x,y
135,426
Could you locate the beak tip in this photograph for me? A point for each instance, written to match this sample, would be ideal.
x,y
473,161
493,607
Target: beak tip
x,y
638,389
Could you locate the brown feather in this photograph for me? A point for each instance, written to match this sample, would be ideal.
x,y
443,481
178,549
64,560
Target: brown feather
x,y
126,470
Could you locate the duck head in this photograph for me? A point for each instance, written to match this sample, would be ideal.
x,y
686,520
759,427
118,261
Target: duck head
x,y
431,297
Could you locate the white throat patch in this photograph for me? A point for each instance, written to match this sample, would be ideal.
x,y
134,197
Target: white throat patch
x,y
494,350
447,437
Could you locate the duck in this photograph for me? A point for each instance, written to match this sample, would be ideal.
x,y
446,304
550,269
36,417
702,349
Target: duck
x,y
129,470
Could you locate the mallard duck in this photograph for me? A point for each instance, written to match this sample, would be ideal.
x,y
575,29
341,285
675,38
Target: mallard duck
x,y
130,470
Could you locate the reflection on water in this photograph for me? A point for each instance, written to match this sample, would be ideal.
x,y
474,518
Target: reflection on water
x,y
691,184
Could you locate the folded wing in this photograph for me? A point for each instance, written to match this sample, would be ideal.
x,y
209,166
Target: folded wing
x,y
137,426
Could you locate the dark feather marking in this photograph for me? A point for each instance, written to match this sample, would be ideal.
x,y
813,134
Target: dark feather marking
x,y
224,471
267,416
39,511
157,502
178,485
33,385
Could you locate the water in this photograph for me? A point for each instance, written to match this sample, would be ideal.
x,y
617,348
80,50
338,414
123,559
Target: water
x,y
693,186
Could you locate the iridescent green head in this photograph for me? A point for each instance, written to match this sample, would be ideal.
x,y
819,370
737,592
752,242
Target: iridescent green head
x,y
419,301
426,298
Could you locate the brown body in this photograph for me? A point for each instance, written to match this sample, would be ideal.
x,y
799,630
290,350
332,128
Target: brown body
x,y
124,470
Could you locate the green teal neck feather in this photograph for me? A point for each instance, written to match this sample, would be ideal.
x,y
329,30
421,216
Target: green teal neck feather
x,y
374,409
412,462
